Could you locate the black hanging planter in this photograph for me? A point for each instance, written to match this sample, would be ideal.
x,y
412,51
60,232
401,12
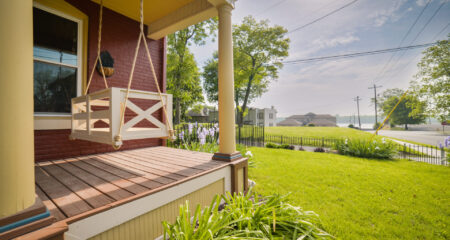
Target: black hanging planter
x,y
107,63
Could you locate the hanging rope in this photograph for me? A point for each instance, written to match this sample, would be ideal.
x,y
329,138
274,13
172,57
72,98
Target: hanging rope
x,y
124,105
98,58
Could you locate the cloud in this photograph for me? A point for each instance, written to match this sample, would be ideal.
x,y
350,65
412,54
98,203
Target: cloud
x,y
421,3
333,42
384,15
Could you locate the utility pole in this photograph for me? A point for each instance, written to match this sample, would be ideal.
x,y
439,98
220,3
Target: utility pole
x,y
375,94
357,99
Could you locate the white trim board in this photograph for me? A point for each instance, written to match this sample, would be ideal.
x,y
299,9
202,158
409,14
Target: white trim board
x,y
101,222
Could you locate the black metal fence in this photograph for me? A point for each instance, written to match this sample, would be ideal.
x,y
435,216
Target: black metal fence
x,y
301,141
420,153
255,136
250,135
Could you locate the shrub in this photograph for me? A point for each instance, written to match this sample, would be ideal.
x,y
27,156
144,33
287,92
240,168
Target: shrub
x,y
311,125
301,149
319,149
351,126
286,146
366,149
281,146
245,218
271,145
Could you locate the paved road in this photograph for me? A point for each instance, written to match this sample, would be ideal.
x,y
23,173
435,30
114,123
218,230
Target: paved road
x,y
427,137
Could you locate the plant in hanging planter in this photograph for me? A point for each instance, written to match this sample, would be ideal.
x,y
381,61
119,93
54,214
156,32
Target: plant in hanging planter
x,y
107,63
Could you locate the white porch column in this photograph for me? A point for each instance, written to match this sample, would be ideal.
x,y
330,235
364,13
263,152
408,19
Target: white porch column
x,y
16,105
227,133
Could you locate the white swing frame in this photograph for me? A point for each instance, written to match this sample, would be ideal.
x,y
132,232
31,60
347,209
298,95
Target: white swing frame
x,y
84,117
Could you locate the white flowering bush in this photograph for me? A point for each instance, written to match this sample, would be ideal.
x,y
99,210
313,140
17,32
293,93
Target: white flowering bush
x,y
380,149
197,137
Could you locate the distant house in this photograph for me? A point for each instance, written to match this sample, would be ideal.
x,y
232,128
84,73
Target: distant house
x,y
255,116
266,117
322,120
200,116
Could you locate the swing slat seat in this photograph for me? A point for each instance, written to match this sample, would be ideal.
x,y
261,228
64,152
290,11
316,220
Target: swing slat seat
x,y
106,105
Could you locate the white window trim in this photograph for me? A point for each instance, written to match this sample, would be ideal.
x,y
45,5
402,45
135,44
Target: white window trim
x,y
79,56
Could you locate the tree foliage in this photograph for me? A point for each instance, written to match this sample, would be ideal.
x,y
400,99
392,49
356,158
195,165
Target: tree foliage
x,y
432,83
183,75
409,111
258,50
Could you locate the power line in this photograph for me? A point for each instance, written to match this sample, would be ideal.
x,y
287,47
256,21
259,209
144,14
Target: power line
x,y
401,42
322,17
415,38
358,54
412,59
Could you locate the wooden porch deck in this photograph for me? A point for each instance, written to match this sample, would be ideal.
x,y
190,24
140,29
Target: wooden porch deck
x,y
77,186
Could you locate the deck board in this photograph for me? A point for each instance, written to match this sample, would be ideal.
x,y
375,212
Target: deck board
x,y
66,200
180,161
101,185
54,210
107,176
69,187
91,195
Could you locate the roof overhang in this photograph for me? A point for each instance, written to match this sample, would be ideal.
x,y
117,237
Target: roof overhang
x,y
164,17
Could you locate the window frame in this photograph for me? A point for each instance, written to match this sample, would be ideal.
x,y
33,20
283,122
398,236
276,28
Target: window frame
x,y
80,56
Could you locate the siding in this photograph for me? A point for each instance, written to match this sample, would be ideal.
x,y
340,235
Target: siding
x,y
119,37
148,226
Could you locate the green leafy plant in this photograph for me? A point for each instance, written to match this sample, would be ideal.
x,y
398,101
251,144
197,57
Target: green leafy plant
x,y
281,146
271,145
366,149
246,217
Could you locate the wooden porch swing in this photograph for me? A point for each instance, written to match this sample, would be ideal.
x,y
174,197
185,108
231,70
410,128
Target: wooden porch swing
x,y
109,105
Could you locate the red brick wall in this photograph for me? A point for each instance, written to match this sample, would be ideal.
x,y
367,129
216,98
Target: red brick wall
x,y
119,37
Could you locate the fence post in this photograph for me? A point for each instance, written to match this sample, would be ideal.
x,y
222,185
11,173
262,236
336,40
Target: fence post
x,y
323,142
281,139
239,133
301,141
442,156
404,150
264,136
253,136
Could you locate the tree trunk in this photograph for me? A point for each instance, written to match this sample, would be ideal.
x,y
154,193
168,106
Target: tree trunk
x,y
177,111
406,126
240,118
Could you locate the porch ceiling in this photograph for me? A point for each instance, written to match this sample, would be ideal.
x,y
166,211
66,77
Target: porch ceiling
x,y
164,16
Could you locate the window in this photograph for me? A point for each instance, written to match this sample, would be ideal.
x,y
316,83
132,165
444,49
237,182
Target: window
x,y
271,115
260,115
57,61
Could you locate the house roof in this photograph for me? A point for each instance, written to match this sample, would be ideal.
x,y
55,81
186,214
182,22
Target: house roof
x,y
289,122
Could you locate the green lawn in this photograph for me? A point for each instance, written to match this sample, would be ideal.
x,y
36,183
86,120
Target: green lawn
x,y
317,132
359,198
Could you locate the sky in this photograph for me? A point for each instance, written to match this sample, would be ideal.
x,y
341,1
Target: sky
x,y
366,25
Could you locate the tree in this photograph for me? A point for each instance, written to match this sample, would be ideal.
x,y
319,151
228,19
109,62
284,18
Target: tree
x,y
183,76
258,51
432,83
409,111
